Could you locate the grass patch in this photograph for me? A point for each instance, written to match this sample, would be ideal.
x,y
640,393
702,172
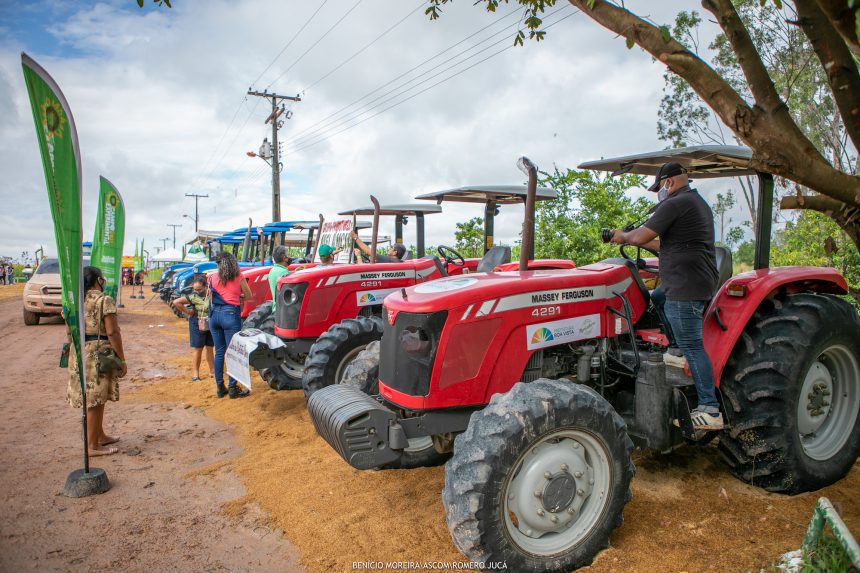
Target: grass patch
x,y
827,556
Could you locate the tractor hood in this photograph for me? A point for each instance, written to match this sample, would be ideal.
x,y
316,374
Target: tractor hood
x,y
498,292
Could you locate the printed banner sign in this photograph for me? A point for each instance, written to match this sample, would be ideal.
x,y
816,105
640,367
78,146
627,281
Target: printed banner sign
x,y
337,234
109,236
61,160
562,331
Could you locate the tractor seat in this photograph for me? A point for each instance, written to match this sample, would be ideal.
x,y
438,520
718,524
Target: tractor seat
x,y
493,258
406,256
724,266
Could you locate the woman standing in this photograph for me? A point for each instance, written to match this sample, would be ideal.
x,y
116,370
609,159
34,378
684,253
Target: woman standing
x,y
101,332
228,290
199,339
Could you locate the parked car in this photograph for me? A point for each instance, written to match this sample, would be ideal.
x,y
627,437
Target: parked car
x,y
43,293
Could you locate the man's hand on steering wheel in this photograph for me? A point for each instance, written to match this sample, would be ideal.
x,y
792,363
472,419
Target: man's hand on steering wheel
x,y
450,255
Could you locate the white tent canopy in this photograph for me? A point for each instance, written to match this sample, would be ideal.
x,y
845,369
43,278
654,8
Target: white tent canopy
x,y
167,256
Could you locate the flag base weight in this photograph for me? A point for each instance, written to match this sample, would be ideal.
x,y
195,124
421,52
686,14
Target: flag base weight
x,y
82,484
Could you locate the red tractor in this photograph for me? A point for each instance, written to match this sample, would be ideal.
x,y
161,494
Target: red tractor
x,y
539,384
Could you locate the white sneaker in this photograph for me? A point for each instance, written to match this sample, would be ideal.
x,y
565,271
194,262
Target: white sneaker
x,y
672,360
706,421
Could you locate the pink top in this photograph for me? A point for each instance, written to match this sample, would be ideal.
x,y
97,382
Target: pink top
x,y
230,291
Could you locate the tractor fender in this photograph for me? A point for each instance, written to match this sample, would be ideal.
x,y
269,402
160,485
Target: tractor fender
x,y
728,315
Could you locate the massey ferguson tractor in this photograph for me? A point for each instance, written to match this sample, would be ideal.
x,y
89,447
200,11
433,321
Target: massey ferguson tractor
x,y
540,383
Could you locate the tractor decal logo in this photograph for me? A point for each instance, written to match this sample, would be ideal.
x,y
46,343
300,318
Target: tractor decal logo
x,y
372,297
542,335
562,331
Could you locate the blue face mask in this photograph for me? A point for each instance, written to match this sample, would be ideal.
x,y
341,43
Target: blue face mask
x,y
662,194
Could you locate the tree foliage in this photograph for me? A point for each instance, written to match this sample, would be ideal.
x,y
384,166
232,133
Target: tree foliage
x,y
749,102
469,238
568,227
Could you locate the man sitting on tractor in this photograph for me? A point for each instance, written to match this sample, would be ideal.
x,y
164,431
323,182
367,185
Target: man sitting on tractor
x,y
280,260
395,252
327,254
688,277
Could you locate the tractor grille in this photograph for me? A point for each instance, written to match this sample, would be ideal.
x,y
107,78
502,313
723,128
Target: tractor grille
x,y
290,305
409,347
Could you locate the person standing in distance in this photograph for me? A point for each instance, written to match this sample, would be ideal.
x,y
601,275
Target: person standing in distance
x,y
688,277
280,260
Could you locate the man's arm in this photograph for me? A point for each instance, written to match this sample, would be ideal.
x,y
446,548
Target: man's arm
x,y
361,245
639,237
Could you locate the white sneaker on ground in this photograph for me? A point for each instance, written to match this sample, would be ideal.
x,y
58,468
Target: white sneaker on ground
x,y
670,359
706,420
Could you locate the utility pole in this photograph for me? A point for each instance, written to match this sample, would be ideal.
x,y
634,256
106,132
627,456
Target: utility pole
x,y
274,117
174,233
196,198
164,243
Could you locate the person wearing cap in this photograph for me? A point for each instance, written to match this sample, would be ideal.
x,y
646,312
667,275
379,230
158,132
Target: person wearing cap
x,y
280,260
327,254
688,278
395,252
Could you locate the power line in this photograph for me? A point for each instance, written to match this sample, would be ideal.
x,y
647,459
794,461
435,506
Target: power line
x,y
288,44
407,72
366,46
311,144
301,141
299,59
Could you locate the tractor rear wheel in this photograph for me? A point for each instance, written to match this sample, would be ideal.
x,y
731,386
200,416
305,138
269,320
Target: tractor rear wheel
x,y
363,373
539,479
792,388
336,348
31,318
287,376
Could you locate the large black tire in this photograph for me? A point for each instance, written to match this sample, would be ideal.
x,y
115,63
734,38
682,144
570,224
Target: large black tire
x,y
795,369
31,318
284,377
175,310
335,348
547,437
363,373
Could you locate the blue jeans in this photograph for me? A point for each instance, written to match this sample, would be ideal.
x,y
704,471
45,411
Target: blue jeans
x,y
225,320
685,318
658,297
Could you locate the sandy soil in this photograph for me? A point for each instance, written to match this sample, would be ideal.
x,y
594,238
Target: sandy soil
x,y
173,496
688,513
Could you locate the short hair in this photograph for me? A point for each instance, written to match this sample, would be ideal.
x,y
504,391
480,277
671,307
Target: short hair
x,y
199,278
399,250
280,254
91,277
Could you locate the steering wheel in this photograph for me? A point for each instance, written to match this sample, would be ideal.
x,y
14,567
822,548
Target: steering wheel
x,y
450,255
639,261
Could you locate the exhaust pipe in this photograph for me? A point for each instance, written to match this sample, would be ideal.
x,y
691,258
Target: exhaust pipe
x,y
527,248
376,209
319,234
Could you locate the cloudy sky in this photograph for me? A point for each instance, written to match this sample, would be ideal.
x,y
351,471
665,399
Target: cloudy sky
x,y
392,104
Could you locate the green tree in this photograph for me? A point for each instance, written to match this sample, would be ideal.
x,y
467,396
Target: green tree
x,y
569,226
721,207
469,238
750,103
814,239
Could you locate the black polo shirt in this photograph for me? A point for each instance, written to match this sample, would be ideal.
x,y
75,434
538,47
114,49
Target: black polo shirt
x,y
688,262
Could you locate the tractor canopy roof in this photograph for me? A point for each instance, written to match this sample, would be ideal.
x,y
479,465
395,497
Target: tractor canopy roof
x,y
500,194
394,210
702,161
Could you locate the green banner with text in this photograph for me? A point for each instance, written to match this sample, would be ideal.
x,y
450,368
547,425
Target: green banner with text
x,y
58,144
109,236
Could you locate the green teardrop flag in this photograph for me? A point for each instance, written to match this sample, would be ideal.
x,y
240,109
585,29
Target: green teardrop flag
x,y
109,236
58,144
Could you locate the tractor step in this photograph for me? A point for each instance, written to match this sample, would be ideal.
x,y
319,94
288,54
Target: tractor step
x,y
355,425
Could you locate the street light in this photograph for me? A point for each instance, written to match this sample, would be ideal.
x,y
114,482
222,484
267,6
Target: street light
x,y
195,219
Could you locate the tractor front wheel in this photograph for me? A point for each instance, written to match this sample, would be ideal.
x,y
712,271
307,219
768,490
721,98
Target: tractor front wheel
x,y
539,479
336,348
792,388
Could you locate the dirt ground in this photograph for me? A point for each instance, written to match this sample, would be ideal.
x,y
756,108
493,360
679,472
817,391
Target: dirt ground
x,y
245,470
